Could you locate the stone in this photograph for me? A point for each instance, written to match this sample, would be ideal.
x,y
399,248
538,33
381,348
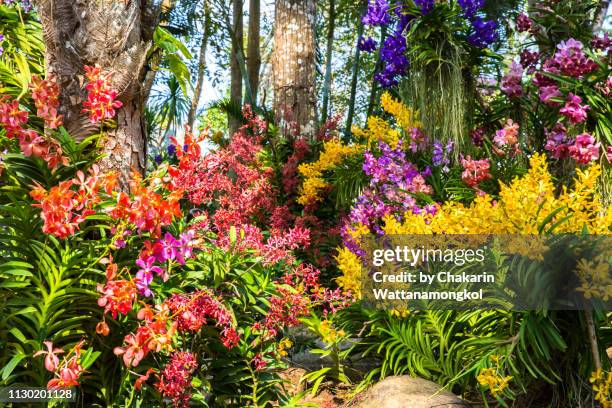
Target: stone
x,y
408,392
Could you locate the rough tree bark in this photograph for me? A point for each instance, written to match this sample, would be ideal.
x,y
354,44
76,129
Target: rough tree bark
x,y
253,52
237,35
294,64
331,21
201,67
116,35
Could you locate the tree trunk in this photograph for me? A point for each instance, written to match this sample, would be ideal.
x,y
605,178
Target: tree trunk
x,y
254,53
236,75
294,64
115,35
374,90
351,107
201,67
328,60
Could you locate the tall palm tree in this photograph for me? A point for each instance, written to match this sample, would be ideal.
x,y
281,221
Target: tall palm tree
x,y
116,35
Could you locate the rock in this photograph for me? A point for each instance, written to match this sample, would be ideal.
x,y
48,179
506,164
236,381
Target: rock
x,y
291,378
408,392
609,352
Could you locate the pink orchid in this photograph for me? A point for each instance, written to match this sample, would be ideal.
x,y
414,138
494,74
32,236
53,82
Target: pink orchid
x,y
51,360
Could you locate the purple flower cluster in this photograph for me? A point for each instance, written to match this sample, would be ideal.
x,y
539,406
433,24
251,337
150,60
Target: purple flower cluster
x,y
571,60
511,82
167,249
393,53
484,33
26,5
529,60
367,44
602,43
478,135
1,41
393,181
523,23
441,154
426,5
557,142
549,93
377,13
471,7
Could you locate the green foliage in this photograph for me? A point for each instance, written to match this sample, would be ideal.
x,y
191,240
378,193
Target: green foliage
x,y
48,287
23,54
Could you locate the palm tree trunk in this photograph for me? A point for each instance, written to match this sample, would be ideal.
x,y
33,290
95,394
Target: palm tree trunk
x,y
328,60
201,67
73,38
253,52
294,64
235,74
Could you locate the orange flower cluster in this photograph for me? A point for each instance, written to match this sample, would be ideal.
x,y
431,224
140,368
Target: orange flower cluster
x,y
148,210
100,103
45,93
68,371
68,204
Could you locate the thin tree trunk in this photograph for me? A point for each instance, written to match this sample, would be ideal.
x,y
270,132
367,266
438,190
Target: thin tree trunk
x,y
328,60
294,64
374,89
79,33
254,53
600,15
355,77
201,67
235,74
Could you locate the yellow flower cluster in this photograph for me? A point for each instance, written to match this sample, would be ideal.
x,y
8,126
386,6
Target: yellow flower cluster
x,y
283,346
403,115
522,207
379,130
350,266
602,386
595,280
492,379
334,152
329,333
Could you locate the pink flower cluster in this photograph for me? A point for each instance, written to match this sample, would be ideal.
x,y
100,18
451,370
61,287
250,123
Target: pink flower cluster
x,y
301,149
508,135
68,371
13,119
557,142
573,111
175,380
191,312
511,82
548,93
232,177
475,171
299,291
274,249
101,100
571,60
585,149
